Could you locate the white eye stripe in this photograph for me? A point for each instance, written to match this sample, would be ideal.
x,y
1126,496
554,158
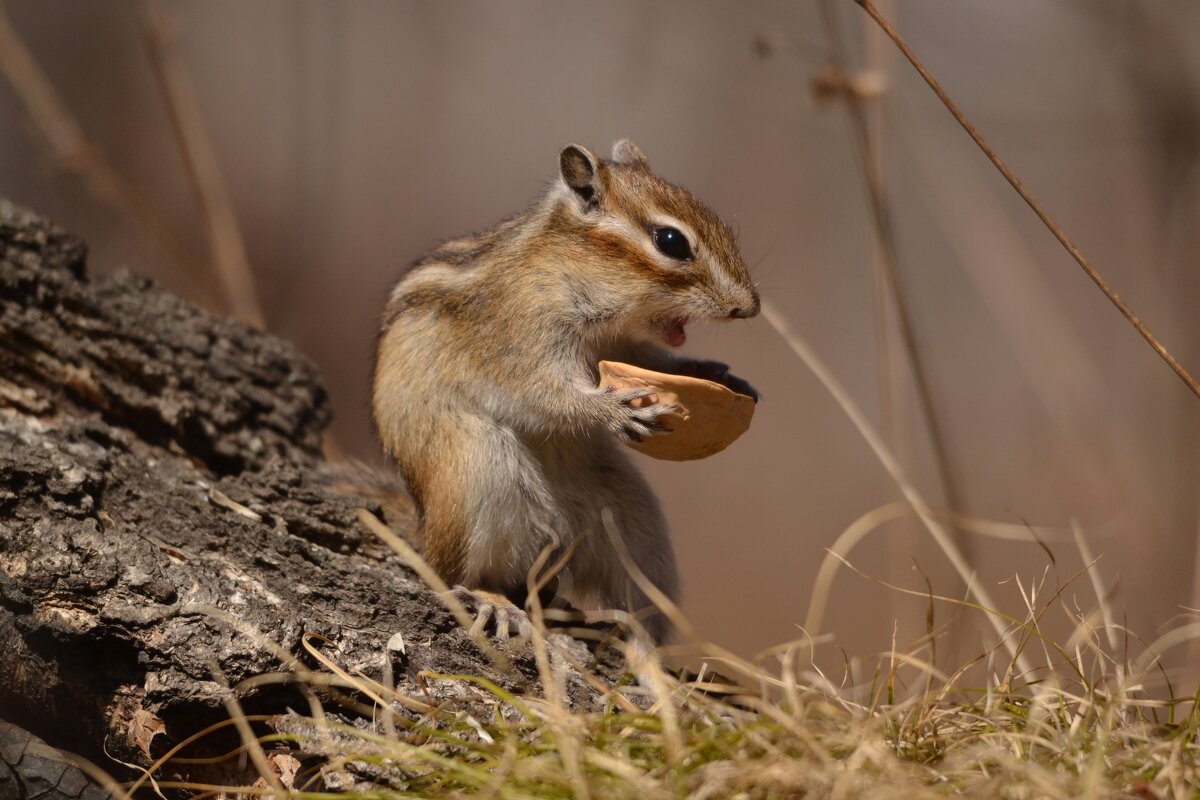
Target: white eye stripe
x,y
634,233
644,236
623,227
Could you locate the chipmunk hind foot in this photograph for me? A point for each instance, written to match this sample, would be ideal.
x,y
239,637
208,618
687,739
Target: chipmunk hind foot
x,y
495,615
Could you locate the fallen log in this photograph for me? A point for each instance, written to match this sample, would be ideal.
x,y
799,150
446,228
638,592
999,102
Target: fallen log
x,y
168,525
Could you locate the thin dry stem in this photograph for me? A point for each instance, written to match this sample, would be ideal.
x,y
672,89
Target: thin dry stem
x,y
558,715
667,606
419,565
1029,199
823,584
183,106
866,149
940,533
242,723
70,147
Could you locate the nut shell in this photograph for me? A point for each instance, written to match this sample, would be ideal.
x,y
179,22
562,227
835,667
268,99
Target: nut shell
x,y
711,416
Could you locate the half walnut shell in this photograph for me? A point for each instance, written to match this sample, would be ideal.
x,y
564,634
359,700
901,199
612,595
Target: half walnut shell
x,y
710,417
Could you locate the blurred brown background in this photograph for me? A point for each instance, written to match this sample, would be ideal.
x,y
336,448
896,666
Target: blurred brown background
x,y
352,137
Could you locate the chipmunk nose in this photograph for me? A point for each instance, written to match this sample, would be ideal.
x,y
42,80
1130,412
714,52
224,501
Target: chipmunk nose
x,y
745,310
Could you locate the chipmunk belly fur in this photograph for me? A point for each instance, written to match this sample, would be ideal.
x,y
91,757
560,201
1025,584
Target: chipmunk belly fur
x,y
485,379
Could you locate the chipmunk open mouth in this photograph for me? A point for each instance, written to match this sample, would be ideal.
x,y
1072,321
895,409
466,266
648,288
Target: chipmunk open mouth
x,y
674,334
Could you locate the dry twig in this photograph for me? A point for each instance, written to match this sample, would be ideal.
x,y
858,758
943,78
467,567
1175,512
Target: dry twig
x,y
941,535
1028,197
70,146
885,235
224,238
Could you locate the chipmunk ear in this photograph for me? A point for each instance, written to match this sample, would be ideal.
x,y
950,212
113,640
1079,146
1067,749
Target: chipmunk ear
x,y
581,172
629,154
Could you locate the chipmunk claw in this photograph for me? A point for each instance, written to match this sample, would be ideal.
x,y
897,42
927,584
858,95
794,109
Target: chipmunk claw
x,y
647,421
640,414
496,614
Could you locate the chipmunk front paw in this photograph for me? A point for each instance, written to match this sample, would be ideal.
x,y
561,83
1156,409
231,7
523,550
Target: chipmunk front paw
x,y
638,414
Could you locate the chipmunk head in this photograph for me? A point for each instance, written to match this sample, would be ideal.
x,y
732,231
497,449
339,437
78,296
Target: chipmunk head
x,y
660,257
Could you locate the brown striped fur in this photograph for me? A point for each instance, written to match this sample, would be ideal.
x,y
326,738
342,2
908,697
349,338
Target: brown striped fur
x,y
484,389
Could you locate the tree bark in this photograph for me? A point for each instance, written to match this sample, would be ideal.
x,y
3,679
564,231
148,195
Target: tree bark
x,y
160,467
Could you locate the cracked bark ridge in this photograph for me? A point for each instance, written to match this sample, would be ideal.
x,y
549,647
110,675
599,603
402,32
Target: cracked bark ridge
x,y
162,493
30,769
201,385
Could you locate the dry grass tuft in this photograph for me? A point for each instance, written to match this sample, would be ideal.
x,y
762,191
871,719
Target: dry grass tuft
x,y
1093,716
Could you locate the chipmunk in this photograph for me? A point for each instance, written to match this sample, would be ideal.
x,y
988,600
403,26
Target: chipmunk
x,y
485,381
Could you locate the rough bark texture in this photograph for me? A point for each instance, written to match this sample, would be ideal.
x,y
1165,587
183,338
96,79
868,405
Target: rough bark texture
x,y
30,769
128,421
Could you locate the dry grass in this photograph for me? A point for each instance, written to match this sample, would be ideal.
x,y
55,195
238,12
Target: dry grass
x,y
1093,716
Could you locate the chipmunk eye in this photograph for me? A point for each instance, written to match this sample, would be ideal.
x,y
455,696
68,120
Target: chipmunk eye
x,y
671,242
